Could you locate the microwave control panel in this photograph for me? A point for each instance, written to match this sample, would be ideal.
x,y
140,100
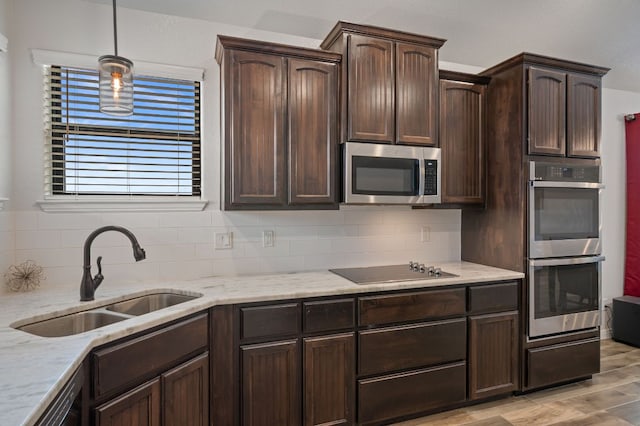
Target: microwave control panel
x,y
430,177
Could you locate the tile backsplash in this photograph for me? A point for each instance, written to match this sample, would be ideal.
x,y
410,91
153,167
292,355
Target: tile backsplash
x,y
6,245
183,245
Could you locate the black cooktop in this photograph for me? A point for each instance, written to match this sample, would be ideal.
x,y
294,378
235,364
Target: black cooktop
x,y
386,274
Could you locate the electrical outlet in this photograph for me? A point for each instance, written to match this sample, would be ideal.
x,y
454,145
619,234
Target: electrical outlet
x,y
425,234
224,240
268,238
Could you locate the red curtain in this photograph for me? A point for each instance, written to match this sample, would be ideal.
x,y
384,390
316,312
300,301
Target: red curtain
x,y
632,259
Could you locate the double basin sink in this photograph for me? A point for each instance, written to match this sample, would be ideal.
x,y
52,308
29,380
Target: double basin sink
x,y
79,322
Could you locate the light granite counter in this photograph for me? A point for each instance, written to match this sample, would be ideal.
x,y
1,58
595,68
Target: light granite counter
x,y
33,369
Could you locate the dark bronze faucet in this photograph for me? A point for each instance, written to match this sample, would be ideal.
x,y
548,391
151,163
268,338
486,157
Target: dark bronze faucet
x,y
89,285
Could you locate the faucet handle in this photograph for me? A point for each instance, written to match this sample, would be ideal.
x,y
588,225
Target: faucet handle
x,y
99,277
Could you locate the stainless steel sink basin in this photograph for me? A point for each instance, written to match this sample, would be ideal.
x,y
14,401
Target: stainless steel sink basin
x,y
149,303
72,324
79,322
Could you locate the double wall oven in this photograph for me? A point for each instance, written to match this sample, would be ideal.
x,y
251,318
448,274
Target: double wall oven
x,y
564,247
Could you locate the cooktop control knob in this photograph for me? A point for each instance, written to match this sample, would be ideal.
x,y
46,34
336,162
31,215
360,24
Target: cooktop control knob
x,y
437,272
421,268
411,263
430,270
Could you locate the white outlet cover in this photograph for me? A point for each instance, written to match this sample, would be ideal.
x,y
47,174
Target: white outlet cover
x,y
223,240
268,239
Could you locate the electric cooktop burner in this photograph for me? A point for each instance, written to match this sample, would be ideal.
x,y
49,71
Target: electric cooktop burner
x,y
391,273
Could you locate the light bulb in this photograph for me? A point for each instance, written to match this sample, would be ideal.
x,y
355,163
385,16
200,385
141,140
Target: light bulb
x,y
116,81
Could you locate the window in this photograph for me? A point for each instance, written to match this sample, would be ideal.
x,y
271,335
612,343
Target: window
x,y
155,151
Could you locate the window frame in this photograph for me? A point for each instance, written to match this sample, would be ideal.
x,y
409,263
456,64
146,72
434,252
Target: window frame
x,y
125,203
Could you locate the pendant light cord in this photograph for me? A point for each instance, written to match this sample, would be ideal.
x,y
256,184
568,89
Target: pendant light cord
x,y
115,29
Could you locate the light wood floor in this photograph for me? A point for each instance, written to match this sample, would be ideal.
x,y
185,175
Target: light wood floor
x,y
611,397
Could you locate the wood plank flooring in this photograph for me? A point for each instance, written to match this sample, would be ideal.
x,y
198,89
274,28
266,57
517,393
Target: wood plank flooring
x,y
610,398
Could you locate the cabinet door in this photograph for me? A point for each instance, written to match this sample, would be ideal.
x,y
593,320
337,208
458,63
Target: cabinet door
x,y
139,407
416,94
254,168
546,112
329,380
271,384
371,86
493,354
583,115
185,393
462,139
312,127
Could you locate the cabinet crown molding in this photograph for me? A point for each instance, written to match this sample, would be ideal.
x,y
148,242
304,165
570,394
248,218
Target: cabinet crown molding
x,y
237,43
368,30
526,58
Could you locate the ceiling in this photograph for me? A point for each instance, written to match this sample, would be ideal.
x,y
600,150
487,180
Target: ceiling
x,y
478,32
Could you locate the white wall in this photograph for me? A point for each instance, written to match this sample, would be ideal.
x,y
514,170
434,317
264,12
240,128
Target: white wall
x,y
6,223
181,245
615,104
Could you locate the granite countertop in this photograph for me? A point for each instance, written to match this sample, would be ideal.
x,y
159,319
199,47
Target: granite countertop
x,y
33,369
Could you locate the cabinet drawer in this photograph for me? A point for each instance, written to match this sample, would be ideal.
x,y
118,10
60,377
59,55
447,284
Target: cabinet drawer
x,y
270,321
564,362
411,306
384,398
130,362
493,298
417,345
328,315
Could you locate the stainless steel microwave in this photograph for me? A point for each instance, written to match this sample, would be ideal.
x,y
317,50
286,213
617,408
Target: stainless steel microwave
x,y
390,174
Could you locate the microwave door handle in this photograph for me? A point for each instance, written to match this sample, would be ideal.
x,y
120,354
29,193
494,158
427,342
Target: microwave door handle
x,y
421,173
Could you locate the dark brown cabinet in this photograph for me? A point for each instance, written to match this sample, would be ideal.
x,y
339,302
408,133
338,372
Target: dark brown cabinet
x,y
563,113
463,137
271,384
390,84
140,406
364,359
279,127
155,378
185,393
329,380
297,362
493,354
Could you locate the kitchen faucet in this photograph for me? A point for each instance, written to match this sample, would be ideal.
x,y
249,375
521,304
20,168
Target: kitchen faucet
x,y
89,285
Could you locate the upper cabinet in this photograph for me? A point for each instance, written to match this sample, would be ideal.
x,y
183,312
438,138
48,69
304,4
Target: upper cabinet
x,y
463,137
563,104
390,84
279,125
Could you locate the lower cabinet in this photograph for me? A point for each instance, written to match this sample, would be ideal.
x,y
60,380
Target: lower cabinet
x,y
493,354
329,380
140,407
271,381
271,384
159,378
178,397
367,359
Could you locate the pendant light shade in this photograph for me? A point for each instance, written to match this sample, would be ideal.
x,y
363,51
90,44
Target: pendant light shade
x,y
116,79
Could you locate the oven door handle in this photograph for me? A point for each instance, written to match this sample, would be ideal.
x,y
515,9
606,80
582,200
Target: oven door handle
x,y
556,184
566,261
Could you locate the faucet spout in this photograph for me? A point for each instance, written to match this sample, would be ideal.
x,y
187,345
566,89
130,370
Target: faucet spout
x,y
89,284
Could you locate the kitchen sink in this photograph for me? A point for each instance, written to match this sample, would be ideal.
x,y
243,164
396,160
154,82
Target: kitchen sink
x,y
79,322
149,303
72,324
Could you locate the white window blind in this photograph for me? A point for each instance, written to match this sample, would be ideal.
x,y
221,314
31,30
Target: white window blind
x,y
155,151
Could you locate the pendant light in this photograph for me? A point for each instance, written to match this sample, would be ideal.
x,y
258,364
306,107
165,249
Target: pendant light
x,y
116,79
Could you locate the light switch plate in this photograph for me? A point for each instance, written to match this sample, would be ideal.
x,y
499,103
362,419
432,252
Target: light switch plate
x,y
224,240
425,234
268,238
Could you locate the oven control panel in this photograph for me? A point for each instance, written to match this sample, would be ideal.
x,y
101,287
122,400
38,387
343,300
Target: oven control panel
x,y
560,172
